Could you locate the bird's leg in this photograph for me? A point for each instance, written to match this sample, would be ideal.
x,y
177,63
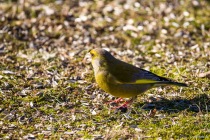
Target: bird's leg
x,y
127,103
118,100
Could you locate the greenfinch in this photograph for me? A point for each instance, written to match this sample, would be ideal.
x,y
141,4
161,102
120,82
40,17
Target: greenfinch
x,y
121,79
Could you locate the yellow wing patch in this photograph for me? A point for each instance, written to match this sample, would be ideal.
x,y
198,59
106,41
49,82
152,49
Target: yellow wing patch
x,y
145,81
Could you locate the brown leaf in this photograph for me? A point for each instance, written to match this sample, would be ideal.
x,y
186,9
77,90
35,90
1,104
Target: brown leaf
x,y
152,113
204,74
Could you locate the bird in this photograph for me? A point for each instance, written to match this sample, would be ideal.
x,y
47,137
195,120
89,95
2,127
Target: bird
x,y
122,79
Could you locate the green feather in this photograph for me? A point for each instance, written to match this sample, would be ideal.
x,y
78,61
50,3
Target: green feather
x,y
146,81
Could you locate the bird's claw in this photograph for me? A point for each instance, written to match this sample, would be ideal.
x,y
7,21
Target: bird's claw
x,y
115,102
122,108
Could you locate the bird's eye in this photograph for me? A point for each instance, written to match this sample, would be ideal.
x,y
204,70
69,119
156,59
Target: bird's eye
x,y
92,54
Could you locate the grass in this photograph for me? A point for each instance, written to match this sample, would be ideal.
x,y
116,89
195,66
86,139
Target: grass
x,y
48,91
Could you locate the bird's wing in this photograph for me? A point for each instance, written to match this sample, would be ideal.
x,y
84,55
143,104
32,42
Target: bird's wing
x,y
127,73
146,75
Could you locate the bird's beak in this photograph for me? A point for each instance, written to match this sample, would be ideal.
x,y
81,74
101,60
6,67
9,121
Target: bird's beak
x,y
87,59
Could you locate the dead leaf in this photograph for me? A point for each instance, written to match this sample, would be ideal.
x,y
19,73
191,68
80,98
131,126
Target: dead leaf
x,y
204,74
152,113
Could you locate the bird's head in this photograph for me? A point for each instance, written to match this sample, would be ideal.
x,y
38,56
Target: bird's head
x,y
100,59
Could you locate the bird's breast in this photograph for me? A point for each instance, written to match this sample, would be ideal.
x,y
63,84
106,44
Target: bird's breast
x,y
102,81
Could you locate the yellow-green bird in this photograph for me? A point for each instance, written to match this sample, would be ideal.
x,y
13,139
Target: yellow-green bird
x,y
121,79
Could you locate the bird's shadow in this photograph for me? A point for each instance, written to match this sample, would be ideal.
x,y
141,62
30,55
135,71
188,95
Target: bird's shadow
x,y
200,103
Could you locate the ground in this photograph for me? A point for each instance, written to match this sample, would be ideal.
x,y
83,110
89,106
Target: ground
x,y
48,90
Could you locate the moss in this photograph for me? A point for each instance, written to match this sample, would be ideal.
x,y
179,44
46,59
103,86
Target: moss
x,y
48,90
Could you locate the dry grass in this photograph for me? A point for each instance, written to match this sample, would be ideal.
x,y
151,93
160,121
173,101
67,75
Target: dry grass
x,y
48,91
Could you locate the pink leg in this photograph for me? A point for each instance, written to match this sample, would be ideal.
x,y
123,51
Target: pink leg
x,y
126,104
118,100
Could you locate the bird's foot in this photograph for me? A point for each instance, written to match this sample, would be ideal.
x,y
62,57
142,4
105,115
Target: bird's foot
x,y
124,107
115,102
